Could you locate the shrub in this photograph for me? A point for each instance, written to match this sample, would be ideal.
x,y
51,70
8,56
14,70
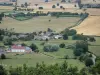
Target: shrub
x,y
3,56
82,45
62,45
66,57
2,70
33,47
78,52
61,7
40,7
89,62
92,39
53,6
69,32
23,44
51,48
57,4
79,37
65,37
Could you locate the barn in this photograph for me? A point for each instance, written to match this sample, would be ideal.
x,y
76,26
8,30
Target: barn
x,y
20,49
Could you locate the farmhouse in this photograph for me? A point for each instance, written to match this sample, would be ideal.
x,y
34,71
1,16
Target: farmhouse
x,y
20,49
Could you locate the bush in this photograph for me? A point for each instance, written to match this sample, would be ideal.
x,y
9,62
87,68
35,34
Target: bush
x,y
51,48
79,37
61,7
33,47
89,62
66,57
23,44
2,70
69,32
53,6
65,37
78,52
57,4
82,45
62,45
40,7
3,56
92,39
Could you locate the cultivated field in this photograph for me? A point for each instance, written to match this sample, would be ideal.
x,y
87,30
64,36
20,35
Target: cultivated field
x,y
89,26
39,24
90,1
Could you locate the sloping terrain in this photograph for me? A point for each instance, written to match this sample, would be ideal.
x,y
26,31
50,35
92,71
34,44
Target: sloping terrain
x,y
90,26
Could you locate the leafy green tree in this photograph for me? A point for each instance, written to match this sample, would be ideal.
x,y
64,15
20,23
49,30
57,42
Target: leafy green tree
x,y
51,48
2,70
62,45
89,62
82,45
65,37
78,52
26,4
53,6
3,56
23,44
33,47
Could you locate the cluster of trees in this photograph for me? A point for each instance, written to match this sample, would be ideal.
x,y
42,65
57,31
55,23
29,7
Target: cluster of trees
x,y
1,16
3,56
50,48
64,13
79,37
68,32
91,5
43,69
81,47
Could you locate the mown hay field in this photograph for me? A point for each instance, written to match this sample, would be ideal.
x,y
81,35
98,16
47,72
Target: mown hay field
x,y
39,23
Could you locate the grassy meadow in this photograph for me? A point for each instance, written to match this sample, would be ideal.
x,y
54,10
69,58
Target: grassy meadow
x,y
95,46
46,57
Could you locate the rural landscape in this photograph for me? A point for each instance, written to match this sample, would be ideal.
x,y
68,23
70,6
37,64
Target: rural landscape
x,y
49,37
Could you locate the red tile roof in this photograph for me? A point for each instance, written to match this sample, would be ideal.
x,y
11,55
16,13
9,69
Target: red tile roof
x,y
17,47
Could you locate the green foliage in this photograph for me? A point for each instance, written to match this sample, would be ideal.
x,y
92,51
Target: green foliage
x,y
62,45
53,6
3,56
1,37
23,44
78,52
65,36
7,41
58,4
96,68
2,70
69,32
92,39
40,7
82,45
89,62
33,47
51,48
66,57
79,37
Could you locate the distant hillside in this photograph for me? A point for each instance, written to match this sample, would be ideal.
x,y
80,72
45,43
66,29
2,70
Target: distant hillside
x,y
90,26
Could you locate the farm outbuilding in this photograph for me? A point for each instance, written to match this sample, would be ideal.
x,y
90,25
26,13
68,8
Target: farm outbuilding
x,y
20,49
